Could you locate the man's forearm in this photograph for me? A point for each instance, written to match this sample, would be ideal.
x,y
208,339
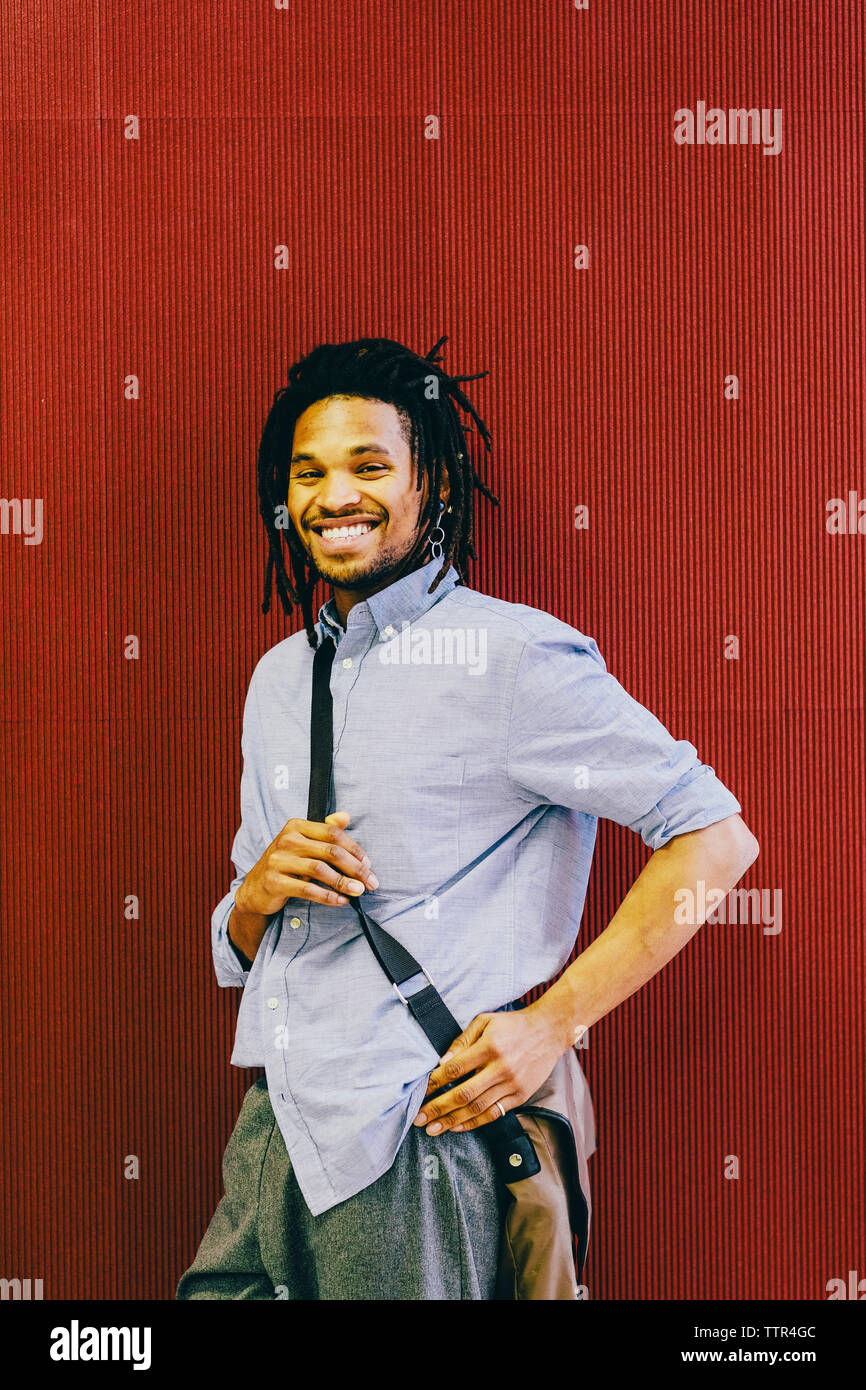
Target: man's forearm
x,y
245,931
643,934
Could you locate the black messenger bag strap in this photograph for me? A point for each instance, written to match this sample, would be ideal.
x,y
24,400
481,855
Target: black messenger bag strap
x,y
512,1150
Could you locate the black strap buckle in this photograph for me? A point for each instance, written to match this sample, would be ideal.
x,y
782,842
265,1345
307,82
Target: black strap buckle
x,y
420,971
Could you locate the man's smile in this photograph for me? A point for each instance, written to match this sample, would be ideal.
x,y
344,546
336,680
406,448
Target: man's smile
x,y
336,537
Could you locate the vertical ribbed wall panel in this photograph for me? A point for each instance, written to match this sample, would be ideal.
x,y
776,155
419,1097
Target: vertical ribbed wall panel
x,y
153,257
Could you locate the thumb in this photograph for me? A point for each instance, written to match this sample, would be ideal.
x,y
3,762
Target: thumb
x,y
340,818
471,1033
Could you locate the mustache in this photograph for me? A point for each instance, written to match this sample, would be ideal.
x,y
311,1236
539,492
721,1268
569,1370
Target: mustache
x,y
336,520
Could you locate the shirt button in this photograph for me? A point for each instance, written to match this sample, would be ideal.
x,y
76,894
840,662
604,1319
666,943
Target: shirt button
x,y
347,661
273,1003
388,631
295,922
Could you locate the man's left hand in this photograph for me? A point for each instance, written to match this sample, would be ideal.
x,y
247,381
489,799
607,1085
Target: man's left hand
x,y
504,1057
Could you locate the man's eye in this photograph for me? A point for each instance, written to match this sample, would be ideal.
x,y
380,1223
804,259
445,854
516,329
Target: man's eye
x,y
311,472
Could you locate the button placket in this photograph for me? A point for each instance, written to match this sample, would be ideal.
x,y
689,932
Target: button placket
x,y
359,640
292,941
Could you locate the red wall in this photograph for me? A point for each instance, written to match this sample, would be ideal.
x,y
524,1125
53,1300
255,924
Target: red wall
x,y
155,258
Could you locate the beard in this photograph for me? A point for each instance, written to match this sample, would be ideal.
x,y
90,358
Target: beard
x,y
361,573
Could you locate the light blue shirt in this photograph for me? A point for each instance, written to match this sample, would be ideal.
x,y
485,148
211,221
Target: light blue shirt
x,y
476,742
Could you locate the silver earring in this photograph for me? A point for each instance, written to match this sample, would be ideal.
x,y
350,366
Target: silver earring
x,y
436,541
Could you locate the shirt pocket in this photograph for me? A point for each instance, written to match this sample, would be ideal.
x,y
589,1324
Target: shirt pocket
x,y
406,816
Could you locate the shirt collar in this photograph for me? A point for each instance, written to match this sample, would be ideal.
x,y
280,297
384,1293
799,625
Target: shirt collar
x,y
403,601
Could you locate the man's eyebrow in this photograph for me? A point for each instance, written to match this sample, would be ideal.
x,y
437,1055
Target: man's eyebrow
x,y
355,449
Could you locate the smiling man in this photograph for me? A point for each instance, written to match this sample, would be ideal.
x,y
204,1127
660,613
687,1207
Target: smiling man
x,y
364,549
473,806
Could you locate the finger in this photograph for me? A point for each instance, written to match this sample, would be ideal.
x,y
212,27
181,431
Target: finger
x,y
340,819
465,1093
300,867
460,1064
493,1113
285,886
303,856
343,862
332,845
335,834
480,1109
453,1064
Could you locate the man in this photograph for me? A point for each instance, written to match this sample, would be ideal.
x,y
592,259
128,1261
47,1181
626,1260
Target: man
x,y
476,742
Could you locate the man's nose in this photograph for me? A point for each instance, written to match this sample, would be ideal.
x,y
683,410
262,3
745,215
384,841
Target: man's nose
x,y
337,495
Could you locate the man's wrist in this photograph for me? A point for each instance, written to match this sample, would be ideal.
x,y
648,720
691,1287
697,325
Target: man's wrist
x,y
557,1007
242,957
245,930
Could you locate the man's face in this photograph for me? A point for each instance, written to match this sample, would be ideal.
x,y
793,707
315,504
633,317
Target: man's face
x,y
351,466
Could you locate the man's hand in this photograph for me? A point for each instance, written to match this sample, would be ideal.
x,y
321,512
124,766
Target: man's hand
x,y
513,1053
504,1057
304,856
306,851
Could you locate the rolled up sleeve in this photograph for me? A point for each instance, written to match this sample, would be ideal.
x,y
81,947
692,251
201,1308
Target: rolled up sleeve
x,y
576,738
227,963
249,845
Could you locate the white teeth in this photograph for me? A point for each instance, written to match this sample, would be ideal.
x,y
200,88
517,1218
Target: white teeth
x,y
344,532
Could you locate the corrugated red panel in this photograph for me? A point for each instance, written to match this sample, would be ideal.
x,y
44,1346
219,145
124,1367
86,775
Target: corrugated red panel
x,y
153,257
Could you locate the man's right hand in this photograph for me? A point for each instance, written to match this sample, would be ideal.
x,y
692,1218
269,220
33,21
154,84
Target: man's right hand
x,y
308,859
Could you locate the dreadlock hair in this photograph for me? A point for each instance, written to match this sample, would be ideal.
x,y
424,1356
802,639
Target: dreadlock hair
x,y
384,370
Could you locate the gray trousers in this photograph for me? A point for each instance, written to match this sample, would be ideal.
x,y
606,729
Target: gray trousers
x,y
429,1228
